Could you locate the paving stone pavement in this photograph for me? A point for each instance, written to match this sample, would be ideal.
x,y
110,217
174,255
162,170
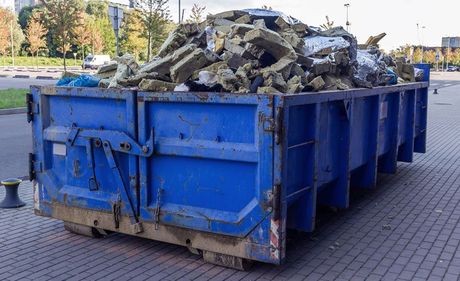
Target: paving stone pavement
x,y
406,229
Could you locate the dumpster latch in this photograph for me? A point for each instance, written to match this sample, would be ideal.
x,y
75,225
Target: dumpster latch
x,y
269,124
32,108
34,167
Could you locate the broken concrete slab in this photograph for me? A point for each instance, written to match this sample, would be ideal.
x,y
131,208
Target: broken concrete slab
x,y
275,80
246,19
267,90
282,24
321,66
294,85
240,30
214,68
182,70
156,85
107,68
272,42
317,84
174,41
162,65
229,15
122,72
227,79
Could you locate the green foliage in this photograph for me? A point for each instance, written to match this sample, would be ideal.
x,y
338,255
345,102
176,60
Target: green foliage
x,y
8,23
30,61
132,39
12,98
155,18
97,8
62,16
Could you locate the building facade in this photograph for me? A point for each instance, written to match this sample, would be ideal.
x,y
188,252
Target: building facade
x,y
19,4
451,42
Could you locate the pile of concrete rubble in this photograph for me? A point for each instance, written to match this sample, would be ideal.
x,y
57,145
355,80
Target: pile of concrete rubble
x,y
256,51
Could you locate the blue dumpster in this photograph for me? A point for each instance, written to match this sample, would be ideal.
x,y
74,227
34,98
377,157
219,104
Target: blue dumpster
x,y
223,174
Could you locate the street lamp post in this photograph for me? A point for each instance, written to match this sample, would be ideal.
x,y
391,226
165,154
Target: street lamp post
x,y
12,41
347,6
180,12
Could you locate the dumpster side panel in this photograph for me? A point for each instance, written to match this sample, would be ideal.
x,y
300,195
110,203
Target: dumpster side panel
x,y
355,134
212,167
75,171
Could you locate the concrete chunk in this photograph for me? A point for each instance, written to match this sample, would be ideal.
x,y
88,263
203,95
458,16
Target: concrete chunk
x,y
317,84
174,41
107,68
163,65
244,19
272,42
240,30
294,85
229,15
275,80
156,85
182,70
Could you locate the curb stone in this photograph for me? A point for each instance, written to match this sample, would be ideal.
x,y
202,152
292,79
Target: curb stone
x,y
9,111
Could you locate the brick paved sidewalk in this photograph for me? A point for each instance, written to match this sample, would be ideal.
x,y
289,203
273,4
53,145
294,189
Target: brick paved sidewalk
x,y
407,229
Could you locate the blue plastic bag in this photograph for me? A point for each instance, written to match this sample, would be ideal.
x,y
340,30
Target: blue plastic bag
x,y
83,80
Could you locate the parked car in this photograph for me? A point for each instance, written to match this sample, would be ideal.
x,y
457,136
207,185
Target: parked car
x,y
453,69
95,61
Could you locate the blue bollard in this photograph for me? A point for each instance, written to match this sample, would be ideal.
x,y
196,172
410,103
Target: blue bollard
x,y
12,199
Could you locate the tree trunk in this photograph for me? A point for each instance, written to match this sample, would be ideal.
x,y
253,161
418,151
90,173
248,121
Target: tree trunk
x,y
65,65
149,51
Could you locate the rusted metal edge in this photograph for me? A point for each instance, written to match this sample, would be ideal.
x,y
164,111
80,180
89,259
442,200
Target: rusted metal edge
x,y
233,246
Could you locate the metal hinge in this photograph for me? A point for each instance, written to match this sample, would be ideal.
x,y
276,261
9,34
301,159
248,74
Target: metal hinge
x,y
279,125
34,167
276,202
32,108
275,125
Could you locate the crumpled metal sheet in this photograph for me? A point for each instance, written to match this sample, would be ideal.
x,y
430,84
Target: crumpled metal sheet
x,y
367,71
419,74
315,44
270,13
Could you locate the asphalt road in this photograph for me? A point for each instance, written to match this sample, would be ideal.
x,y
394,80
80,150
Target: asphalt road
x,y
16,139
19,83
15,144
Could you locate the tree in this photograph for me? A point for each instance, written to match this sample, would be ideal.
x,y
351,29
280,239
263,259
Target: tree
x,y
429,57
11,35
328,25
62,16
418,55
95,37
155,17
197,14
99,10
35,34
457,56
132,35
83,35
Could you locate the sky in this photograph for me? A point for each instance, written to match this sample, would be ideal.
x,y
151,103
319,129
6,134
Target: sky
x,y
397,18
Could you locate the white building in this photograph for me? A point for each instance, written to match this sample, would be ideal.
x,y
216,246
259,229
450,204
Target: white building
x,y
19,4
8,4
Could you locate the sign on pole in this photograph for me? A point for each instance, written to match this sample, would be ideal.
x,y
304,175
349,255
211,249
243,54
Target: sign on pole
x,y
116,17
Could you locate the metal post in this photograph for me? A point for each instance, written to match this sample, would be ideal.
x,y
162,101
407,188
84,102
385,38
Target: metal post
x,y
180,12
116,31
448,53
12,42
348,22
